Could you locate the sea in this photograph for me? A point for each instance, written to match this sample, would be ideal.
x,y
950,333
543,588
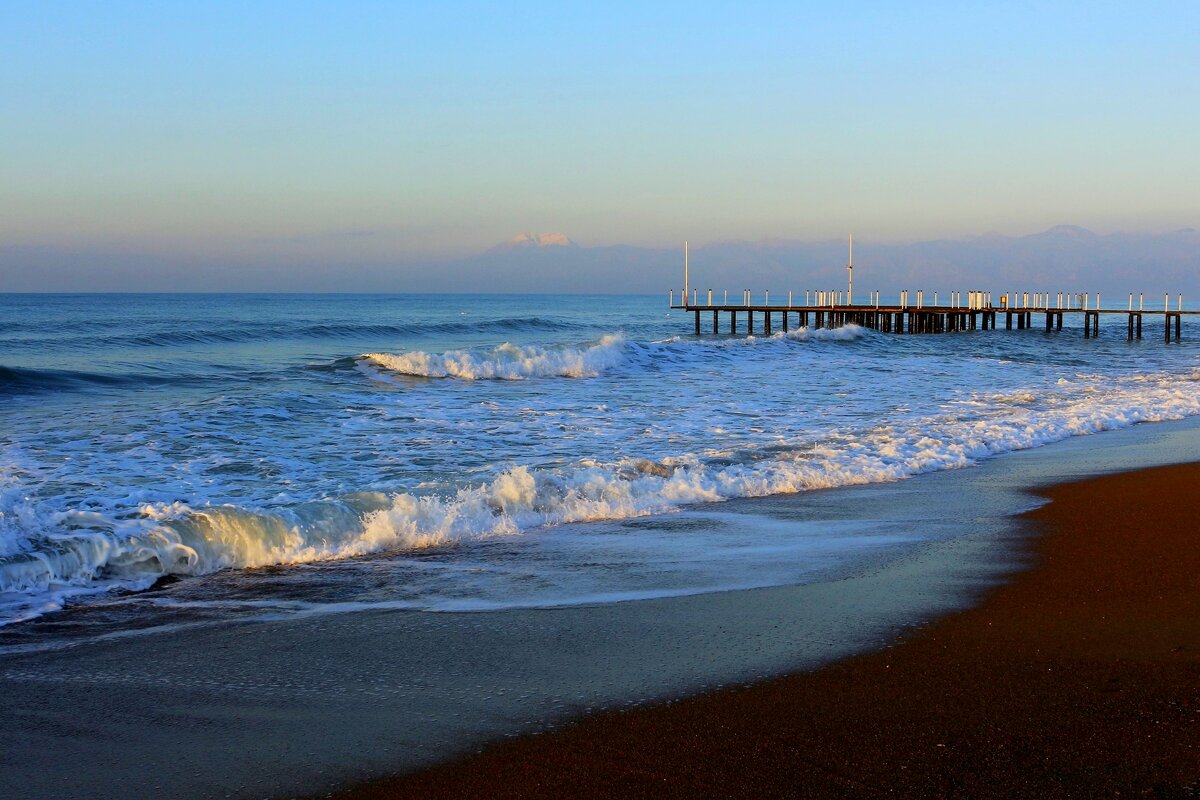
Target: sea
x,y
188,459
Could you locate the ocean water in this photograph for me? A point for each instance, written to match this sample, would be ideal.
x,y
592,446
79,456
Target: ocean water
x,y
176,458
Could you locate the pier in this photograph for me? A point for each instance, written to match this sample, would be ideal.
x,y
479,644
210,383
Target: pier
x,y
968,311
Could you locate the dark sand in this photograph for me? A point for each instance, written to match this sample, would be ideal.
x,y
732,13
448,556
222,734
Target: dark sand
x,y
1079,679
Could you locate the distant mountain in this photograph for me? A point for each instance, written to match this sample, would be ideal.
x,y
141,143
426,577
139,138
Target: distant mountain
x,y
1063,232
1063,258
532,241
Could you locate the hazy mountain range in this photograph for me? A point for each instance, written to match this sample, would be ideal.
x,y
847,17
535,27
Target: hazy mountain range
x,y
1065,258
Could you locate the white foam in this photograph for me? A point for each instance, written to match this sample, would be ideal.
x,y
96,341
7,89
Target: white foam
x,y
845,333
506,362
47,557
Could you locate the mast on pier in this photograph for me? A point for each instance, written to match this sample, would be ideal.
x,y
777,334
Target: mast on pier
x,y
685,273
850,272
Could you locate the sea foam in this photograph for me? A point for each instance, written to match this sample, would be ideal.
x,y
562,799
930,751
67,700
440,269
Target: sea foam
x,y
506,362
47,557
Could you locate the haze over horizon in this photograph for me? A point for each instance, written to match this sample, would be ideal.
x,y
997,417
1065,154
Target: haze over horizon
x,y
308,146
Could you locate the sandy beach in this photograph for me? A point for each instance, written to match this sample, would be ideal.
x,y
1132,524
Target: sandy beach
x,y
1081,678
309,705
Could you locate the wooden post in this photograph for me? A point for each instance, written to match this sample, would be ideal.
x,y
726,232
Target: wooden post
x,y
715,313
732,322
1138,326
1131,317
767,323
697,322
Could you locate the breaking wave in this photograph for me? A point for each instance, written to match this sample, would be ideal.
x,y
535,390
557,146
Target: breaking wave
x,y
518,362
507,362
46,557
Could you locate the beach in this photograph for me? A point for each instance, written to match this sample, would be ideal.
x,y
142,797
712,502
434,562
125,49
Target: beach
x,y
1080,678
309,705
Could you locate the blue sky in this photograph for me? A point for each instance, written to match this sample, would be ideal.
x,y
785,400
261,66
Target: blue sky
x,y
248,133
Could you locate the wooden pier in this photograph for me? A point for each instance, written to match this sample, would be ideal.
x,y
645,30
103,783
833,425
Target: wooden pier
x,y
966,311
923,319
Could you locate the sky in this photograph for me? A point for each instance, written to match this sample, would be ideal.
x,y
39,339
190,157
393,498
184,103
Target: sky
x,y
248,135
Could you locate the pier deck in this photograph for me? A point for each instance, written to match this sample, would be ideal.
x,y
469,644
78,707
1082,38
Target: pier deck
x,y
927,318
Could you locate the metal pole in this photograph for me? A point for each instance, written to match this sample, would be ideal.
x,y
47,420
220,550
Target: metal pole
x,y
685,271
850,270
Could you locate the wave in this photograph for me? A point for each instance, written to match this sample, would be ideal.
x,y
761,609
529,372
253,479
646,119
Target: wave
x,y
242,332
845,333
48,557
20,380
517,362
506,362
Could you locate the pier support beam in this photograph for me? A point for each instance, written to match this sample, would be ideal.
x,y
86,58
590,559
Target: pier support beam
x,y
732,322
697,323
766,323
1167,327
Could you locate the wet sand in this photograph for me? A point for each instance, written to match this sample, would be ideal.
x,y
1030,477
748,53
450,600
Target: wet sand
x,y
1081,678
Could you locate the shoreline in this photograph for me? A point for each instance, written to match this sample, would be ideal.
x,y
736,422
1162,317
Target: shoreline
x,y
1078,677
277,708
